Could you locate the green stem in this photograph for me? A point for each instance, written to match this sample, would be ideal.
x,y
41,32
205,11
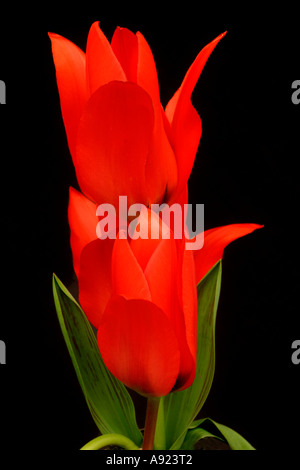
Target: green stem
x,y
108,440
150,423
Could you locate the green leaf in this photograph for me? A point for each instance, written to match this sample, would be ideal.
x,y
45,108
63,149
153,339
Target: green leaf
x,y
234,440
179,409
108,400
195,435
110,440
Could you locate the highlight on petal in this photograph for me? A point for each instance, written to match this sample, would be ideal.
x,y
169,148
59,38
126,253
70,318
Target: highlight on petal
x,y
95,287
102,66
184,119
69,63
215,241
83,222
139,346
114,137
125,46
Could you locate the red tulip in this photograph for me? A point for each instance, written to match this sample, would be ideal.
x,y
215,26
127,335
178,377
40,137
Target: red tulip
x,y
121,140
141,296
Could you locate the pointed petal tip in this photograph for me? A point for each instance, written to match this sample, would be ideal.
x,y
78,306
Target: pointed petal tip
x,y
256,226
219,37
54,36
215,241
95,23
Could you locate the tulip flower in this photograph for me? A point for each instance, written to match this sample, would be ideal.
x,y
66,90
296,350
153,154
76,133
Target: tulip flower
x,y
121,140
140,294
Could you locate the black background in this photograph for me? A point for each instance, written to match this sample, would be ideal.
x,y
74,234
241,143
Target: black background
x,y
246,170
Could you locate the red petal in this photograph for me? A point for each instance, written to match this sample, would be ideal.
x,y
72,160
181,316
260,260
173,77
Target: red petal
x,y
69,63
185,121
150,227
163,268
215,240
161,165
146,72
114,136
189,82
95,287
190,311
125,46
161,274
127,275
102,64
139,346
83,222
